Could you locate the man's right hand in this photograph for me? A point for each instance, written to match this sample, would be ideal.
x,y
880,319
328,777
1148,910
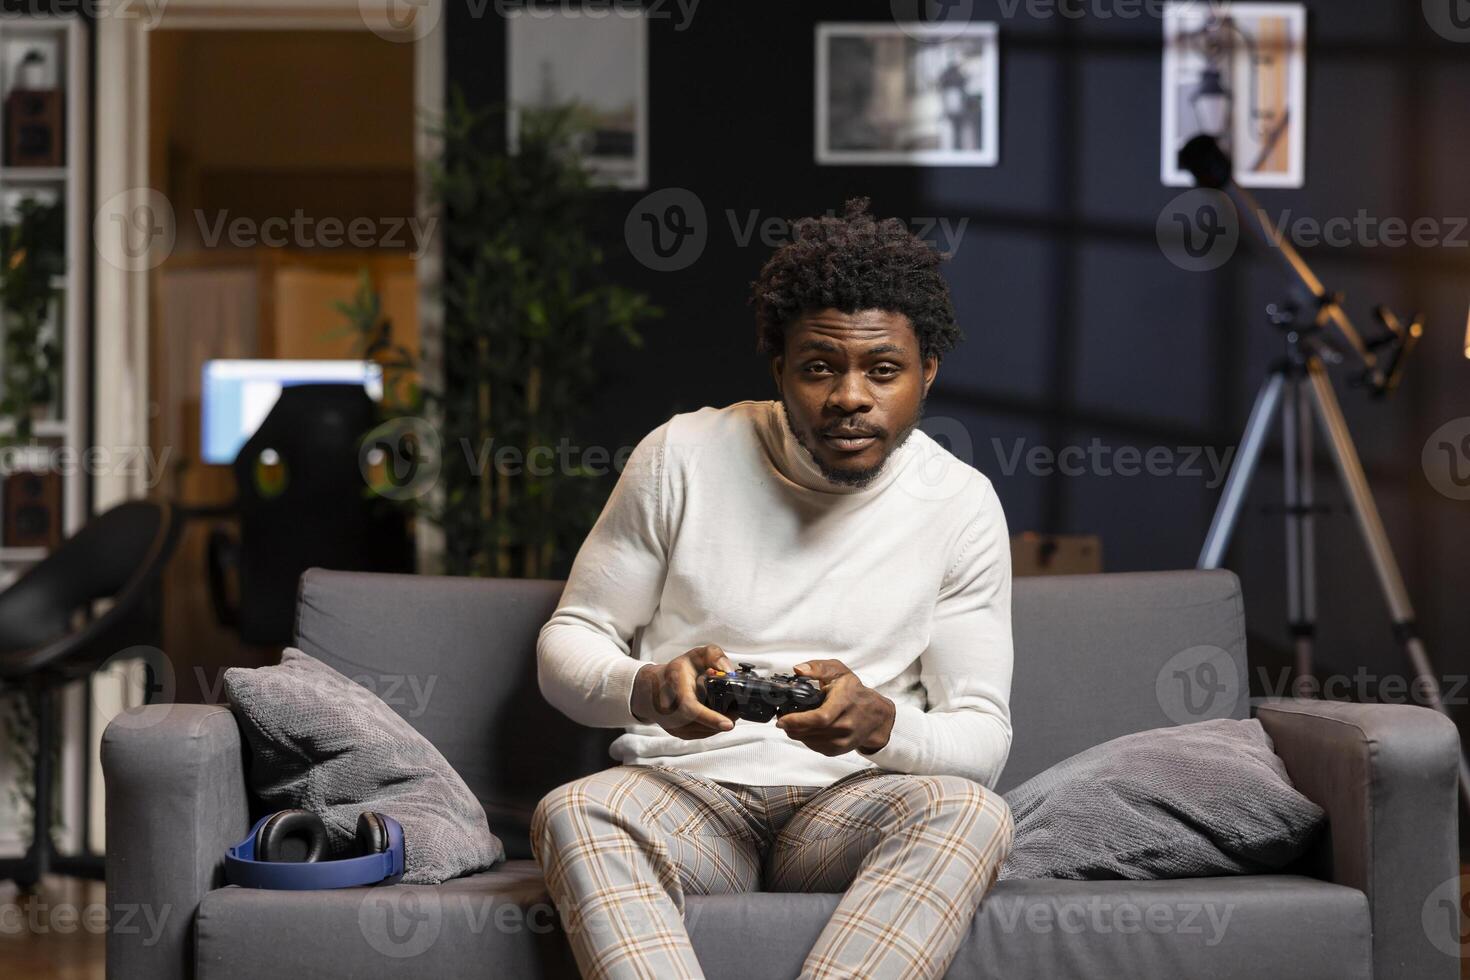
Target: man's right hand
x,y
665,694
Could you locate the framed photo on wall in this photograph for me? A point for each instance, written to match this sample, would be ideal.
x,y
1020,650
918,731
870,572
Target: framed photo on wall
x,y
559,55
1237,71
922,94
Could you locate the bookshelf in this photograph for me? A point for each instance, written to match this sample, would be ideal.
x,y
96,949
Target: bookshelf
x,y
48,53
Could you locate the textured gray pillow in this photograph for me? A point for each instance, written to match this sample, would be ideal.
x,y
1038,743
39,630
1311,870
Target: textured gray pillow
x,y
322,742
1209,798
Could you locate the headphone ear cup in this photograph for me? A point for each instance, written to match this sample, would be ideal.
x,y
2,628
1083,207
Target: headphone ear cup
x,y
372,833
292,835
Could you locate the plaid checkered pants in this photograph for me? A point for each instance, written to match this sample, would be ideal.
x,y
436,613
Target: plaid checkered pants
x,y
914,854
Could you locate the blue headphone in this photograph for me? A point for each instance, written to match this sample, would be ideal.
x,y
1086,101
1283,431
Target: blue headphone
x,y
287,850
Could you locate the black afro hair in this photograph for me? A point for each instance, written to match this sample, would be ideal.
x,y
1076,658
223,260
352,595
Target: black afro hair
x,y
854,263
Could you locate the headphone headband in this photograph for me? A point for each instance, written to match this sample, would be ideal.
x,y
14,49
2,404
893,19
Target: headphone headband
x,y
241,867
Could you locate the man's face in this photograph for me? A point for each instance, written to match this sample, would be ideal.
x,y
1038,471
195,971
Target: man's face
x,y
852,372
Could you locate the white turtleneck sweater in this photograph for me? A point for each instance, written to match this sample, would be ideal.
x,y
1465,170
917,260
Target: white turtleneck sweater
x,y
722,529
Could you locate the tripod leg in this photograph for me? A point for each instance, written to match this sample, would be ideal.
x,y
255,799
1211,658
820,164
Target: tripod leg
x,y
1227,512
1296,461
1390,580
1307,498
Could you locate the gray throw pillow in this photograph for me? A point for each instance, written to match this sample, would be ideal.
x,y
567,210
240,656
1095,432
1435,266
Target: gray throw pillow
x,y
1210,798
322,742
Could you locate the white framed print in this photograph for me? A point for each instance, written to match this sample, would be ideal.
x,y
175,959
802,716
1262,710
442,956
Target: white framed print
x,y
561,55
920,94
1238,72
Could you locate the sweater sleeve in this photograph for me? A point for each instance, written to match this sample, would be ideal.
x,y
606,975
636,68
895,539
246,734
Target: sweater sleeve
x,y
966,668
584,660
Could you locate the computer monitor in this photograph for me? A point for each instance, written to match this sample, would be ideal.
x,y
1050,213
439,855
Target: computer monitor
x,y
237,395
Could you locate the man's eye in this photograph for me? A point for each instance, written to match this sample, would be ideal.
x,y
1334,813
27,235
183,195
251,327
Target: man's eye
x,y
886,370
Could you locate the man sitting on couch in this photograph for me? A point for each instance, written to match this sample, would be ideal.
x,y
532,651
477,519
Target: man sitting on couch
x,y
823,534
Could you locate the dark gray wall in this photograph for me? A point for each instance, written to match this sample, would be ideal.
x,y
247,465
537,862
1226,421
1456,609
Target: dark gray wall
x,y
1078,327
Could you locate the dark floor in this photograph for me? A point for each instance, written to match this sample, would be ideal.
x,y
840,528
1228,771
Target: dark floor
x,y
54,935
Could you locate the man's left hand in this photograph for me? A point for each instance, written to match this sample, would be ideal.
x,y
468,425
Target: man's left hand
x,y
851,716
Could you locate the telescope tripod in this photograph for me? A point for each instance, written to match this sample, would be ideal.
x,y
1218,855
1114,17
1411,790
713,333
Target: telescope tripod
x,y
1298,389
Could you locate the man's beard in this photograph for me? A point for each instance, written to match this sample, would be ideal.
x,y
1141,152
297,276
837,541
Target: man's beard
x,y
854,478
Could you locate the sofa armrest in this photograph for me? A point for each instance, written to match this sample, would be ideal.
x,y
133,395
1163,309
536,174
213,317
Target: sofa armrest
x,y
176,800
1387,776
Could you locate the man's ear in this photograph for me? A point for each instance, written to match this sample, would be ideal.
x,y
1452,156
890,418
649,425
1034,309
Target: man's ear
x,y
931,371
777,363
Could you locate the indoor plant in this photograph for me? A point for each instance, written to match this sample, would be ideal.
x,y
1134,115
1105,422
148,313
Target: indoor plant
x,y
32,258
528,313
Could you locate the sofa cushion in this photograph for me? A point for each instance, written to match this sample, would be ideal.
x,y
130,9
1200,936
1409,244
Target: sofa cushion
x,y
324,743
1208,798
456,658
501,923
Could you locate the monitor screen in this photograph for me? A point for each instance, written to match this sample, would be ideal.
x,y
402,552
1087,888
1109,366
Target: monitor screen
x,y
238,395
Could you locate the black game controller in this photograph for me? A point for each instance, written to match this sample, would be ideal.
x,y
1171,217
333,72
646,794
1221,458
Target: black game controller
x,y
752,697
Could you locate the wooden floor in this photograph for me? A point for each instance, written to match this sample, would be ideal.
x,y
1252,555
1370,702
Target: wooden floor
x,y
53,936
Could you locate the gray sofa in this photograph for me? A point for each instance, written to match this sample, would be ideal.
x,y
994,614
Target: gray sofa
x,y
456,657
